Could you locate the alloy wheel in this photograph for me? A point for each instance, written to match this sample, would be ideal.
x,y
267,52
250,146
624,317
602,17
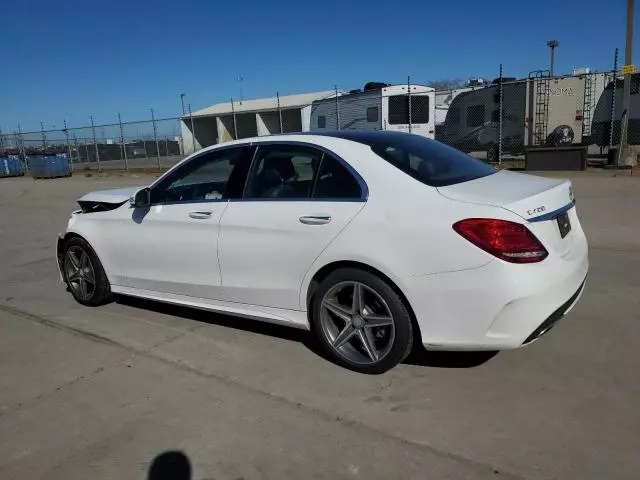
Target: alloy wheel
x,y
357,322
79,272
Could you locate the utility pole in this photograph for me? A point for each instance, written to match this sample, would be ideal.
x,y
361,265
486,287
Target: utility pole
x,y
552,44
624,157
182,102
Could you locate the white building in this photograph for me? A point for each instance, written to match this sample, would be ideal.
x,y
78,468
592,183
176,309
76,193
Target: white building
x,y
226,121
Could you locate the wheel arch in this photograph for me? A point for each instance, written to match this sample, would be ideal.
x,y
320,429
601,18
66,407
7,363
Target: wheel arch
x,y
62,241
331,267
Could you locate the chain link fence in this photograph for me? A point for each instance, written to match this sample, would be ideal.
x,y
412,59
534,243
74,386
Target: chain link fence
x,y
149,144
496,121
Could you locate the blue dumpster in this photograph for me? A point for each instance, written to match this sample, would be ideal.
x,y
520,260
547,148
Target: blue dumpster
x,y
49,166
10,166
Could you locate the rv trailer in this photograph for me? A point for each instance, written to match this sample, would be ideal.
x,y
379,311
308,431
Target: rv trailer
x,y
601,128
536,111
378,107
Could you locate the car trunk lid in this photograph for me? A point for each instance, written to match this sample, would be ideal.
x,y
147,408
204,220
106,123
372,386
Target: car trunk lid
x,y
545,203
531,197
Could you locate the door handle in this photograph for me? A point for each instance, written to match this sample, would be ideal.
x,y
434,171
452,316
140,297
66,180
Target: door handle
x,y
202,215
315,219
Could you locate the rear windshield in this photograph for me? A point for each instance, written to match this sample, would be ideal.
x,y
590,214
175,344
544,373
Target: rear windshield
x,y
428,161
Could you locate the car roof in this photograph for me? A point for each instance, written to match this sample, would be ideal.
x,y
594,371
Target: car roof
x,y
360,136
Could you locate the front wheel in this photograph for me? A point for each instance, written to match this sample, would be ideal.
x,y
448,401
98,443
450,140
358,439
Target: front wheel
x,y
361,322
84,275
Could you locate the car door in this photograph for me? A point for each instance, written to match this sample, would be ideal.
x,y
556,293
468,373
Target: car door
x,y
296,201
171,246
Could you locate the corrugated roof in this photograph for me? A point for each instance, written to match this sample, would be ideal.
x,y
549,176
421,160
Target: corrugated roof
x,y
261,104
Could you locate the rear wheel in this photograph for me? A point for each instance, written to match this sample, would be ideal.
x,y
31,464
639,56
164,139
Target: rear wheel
x,y
84,275
361,322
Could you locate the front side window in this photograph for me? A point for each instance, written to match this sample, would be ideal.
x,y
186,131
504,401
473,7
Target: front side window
x,y
475,115
212,176
283,171
399,109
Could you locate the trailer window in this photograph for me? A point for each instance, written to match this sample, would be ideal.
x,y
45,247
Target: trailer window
x,y
399,109
475,115
322,121
372,114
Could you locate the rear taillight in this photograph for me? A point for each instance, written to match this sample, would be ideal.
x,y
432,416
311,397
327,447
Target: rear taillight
x,y
509,241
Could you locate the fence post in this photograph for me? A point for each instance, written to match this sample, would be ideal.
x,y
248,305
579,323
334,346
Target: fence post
x,y
44,138
409,100
193,130
124,147
22,150
66,136
75,144
279,111
95,143
613,98
155,137
235,126
501,97
335,87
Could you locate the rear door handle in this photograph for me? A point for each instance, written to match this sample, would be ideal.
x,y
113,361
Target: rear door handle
x,y
315,219
201,215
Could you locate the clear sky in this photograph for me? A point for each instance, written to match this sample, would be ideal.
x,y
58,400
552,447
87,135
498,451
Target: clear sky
x,y
71,59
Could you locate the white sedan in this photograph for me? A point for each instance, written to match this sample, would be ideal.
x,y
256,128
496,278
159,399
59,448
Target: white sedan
x,y
372,240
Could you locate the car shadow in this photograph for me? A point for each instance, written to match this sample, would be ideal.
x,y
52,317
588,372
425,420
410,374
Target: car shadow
x,y
418,356
421,357
238,323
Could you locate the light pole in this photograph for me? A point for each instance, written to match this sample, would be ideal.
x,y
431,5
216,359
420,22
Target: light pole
x,y
182,102
552,44
623,155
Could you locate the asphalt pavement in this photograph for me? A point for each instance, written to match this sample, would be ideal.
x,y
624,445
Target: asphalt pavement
x,y
101,392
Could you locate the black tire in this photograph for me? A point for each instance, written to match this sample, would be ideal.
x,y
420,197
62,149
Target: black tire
x,y
97,289
397,341
492,153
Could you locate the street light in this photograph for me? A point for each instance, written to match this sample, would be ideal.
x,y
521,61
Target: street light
x,y
182,102
552,44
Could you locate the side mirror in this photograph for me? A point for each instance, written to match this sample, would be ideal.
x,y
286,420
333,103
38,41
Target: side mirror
x,y
141,199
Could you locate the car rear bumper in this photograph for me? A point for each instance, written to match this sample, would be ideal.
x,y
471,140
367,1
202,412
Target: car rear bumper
x,y
497,306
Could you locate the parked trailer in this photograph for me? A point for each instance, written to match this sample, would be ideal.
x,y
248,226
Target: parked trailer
x,y
601,128
49,166
378,107
538,111
11,166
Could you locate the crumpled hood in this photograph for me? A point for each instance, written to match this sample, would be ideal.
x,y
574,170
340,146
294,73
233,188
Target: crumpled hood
x,y
114,195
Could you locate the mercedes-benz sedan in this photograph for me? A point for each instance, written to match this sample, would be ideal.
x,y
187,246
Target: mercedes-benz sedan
x,y
372,240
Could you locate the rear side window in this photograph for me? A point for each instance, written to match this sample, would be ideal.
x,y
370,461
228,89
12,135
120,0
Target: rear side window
x,y
399,109
429,162
335,181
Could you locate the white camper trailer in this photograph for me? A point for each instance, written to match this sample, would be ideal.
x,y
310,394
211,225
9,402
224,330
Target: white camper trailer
x,y
378,107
